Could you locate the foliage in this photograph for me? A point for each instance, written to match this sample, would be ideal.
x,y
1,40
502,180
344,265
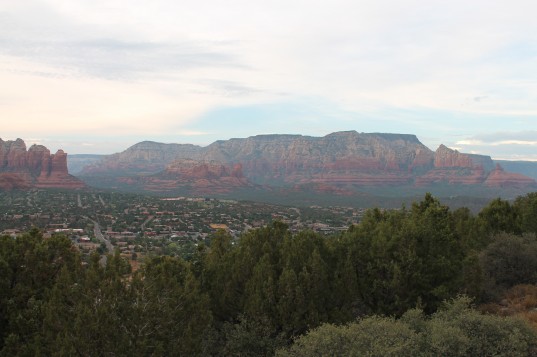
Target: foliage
x,y
455,330
407,257
256,294
507,261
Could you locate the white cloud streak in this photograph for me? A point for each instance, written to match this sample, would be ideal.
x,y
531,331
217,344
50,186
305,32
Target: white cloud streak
x,y
153,67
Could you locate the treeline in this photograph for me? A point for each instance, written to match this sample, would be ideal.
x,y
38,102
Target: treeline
x,y
276,292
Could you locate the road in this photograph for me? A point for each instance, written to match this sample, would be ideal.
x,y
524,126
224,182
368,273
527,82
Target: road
x,y
99,235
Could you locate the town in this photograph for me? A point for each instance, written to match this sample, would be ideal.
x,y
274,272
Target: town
x,y
140,224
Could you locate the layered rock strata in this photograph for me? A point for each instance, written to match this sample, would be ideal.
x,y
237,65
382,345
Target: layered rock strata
x,y
35,167
500,178
198,177
342,161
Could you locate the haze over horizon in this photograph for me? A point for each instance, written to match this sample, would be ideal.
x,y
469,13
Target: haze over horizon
x,y
100,76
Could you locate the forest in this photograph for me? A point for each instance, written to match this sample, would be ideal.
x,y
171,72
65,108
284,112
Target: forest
x,y
422,280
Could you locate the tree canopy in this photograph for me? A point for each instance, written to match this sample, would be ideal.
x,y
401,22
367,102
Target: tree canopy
x,y
381,286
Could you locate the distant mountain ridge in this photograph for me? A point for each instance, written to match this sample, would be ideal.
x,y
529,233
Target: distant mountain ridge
x,y
341,162
77,162
144,157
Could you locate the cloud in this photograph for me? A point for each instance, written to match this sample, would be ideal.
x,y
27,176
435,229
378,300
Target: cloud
x,y
515,142
117,60
469,142
157,67
49,33
514,137
508,145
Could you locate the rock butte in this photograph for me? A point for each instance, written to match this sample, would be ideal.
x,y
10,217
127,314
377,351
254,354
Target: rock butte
x,y
33,168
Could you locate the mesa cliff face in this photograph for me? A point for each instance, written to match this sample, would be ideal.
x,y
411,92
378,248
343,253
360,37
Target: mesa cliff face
x,y
343,157
35,167
339,162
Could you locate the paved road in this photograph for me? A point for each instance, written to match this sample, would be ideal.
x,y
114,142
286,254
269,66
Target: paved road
x,y
99,235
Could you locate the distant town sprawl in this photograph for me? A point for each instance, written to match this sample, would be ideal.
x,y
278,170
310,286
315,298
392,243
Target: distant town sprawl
x,y
141,224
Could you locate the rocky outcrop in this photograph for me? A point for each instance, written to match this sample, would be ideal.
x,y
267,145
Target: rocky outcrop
x,y
455,168
35,167
13,154
452,167
445,157
500,178
196,177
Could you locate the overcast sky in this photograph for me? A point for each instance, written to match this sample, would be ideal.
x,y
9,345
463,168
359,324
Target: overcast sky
x,y
93,76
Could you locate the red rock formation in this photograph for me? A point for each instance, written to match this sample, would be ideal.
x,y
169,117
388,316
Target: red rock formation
x,y
499,178
452,176
198,177
15,155
57,174
38,156
12,181
378,158
422,158
192,169
446,157
451,167
237,171
345,160
22,169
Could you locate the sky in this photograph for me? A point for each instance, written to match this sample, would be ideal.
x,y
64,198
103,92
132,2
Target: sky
x,y
92,76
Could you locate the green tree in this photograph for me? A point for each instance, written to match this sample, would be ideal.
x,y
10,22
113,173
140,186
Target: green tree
x,y
507,261
30,266
406,257
526,207
499,216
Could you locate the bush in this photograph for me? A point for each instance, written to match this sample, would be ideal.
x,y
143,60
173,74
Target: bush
x,y
455,330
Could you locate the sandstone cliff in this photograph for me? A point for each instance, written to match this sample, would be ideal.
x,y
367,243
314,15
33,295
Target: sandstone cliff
x,y
445,157
349,157
339,162
35,167
453,167
198,177
500,178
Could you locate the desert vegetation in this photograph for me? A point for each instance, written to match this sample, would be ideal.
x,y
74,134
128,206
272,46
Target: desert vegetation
x,y
418,281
